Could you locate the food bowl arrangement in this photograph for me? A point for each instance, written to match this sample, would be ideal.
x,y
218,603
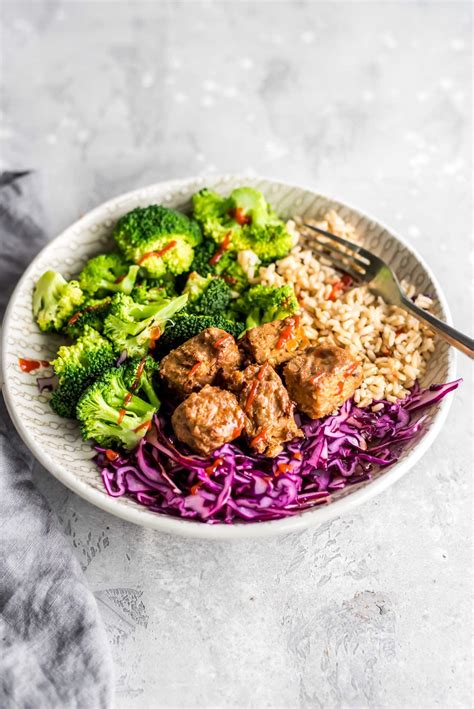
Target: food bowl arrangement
x,y
395,356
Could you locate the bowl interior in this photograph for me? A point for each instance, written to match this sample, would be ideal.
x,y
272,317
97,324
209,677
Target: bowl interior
x,y
57,442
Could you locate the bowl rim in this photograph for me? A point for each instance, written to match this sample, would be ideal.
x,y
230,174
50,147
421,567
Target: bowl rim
x,y
191,528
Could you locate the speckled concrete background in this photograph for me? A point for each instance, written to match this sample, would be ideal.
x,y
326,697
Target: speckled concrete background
x,y
370,102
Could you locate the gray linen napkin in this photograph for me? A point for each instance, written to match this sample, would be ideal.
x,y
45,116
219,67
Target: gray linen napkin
x,y
53,648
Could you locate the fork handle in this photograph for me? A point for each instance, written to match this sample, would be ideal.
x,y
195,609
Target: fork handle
x,y
448,333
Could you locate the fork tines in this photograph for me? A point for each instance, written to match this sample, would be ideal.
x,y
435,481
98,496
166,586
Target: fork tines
x,y
342,254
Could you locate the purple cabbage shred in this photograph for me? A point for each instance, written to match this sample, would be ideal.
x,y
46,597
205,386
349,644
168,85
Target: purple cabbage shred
x,y
47,383
234,485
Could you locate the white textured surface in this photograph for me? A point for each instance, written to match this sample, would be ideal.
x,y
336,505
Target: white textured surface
x,y
370,102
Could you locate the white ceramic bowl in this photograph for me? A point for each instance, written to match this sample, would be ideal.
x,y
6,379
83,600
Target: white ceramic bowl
x,y
57,443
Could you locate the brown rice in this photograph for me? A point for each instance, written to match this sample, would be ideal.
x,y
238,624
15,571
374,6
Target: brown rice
x,y
392,345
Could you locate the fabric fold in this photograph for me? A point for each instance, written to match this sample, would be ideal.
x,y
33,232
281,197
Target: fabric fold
x,y
54,650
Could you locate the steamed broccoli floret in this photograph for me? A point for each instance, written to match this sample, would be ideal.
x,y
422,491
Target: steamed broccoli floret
x,y
207,296
158,239
117,409
54,300
244,220
135,326
263,304
195,286
226,266
108,272
152,290
184,327
92,313
76,367
142,294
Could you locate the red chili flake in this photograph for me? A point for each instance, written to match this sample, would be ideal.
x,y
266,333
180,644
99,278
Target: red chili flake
x,y
298,455
195,488
283,468
314,380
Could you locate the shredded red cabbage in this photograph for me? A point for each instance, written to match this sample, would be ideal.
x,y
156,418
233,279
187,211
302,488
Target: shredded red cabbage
x,y
234,485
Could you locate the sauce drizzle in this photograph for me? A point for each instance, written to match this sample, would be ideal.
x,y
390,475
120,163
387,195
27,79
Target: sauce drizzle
x,y
89,309
121,415
220,251
211,468
254,385
340,287
28,365
171,244
261,436
351,369
287,332
146,425
155,334
240,217
111,455
221,340
194,369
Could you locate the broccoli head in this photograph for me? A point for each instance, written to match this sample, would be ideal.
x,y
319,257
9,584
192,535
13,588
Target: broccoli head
x,y
92,313
135,327
142,294
183,327
55,300
76,367
118,408
158,239
244,220
151,290
207,296
209,260
263,304
107,272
